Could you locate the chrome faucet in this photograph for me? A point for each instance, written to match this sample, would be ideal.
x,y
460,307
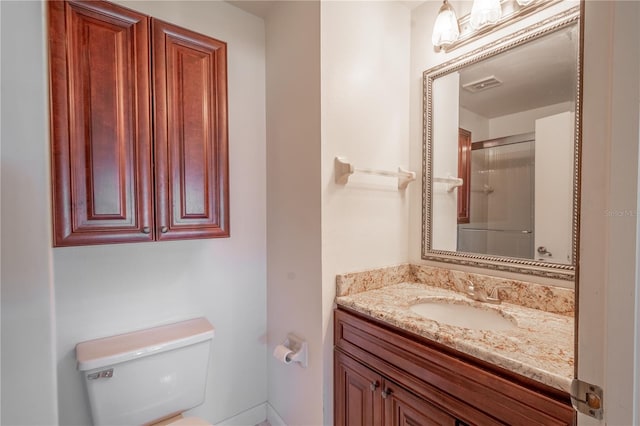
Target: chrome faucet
x,y
480,294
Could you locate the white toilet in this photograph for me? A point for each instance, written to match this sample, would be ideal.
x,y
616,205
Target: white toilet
x,y
148,376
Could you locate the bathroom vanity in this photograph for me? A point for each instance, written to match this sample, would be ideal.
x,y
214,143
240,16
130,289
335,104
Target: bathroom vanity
x,y
395,366
385,375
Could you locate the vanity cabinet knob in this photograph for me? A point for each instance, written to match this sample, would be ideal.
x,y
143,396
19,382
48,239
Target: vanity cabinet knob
x,y
146,230
374,386
386,393
164,229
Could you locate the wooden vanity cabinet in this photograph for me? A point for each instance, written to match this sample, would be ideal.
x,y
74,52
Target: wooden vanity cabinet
x,y
367,399
386,376
360,401
135,159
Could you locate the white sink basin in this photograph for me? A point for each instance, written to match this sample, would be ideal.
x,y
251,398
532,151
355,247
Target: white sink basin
x,y
463,315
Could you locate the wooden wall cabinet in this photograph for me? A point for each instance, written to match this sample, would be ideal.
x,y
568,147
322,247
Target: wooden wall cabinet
x,y
135,159
387,377
190,131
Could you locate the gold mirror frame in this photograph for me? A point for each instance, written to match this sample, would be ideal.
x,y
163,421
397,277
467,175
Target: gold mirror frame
x,y
501,263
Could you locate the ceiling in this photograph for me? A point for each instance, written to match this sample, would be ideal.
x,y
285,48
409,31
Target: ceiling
x,y
261,7
537,74
255,7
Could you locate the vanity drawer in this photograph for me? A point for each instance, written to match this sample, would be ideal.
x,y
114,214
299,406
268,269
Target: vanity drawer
x,y
472,391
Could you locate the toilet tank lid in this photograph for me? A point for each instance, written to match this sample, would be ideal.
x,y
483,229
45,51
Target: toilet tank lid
x,y
106,351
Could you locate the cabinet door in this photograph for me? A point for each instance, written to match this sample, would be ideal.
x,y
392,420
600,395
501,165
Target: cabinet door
x,y
100,123
190,100
356,393
402,408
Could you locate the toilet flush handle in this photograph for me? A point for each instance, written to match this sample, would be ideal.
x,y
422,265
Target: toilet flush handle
x,y
104,374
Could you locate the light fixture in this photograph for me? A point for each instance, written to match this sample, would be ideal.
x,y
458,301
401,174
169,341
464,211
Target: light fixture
x,y
446,29
486,16
484,12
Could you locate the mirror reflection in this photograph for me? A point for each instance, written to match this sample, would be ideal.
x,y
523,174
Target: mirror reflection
x,y
500,146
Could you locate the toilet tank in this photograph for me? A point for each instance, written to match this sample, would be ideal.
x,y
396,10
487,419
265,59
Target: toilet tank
x,y
147,375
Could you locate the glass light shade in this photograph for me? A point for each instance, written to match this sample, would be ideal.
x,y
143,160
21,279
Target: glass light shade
x,y
446,29
484,12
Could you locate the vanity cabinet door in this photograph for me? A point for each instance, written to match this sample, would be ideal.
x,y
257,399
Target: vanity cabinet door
x,y
357,393
100,124
190,131
365,398
402,408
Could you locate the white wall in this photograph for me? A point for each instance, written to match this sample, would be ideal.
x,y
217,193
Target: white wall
x,y
293,206
103,290
365,59
524,121
445,161
482,128
28,326
475,123
365,117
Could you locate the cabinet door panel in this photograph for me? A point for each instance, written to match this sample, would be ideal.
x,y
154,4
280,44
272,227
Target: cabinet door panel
x,y
402,408
100,124
357,403
190,90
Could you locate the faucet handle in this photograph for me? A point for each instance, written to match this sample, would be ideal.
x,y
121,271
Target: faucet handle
x,y
476,293
494,291
470,287
459,285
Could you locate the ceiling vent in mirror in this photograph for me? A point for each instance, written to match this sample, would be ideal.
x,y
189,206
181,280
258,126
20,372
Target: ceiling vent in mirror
x,y
482,84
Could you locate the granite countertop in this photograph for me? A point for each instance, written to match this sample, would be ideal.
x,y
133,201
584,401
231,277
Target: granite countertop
x,y
540,347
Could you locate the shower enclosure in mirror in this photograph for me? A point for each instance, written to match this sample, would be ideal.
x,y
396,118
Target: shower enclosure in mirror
x,y
501,153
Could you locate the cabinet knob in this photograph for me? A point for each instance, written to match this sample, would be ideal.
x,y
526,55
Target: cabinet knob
x,y
386,393
146,230
374,386
164,229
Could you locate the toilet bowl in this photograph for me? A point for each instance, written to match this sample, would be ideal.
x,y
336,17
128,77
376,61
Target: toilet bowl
x,y
147,377
182,421
191,421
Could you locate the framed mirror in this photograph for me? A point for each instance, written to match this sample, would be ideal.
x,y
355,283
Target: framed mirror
x,y
501,153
